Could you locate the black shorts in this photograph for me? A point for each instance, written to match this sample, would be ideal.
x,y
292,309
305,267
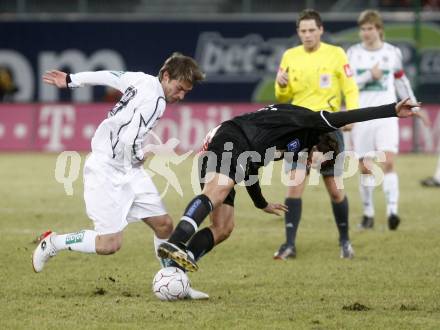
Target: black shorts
x,y
223,156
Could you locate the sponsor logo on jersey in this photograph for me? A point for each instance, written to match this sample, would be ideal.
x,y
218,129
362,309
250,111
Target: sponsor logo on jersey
x,y
293,146
348,71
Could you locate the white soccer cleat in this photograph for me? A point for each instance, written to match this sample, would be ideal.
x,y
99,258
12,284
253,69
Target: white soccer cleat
x,y
44,251
196,295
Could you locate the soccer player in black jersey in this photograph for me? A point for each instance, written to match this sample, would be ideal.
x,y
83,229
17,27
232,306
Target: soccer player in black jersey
x,y
243,144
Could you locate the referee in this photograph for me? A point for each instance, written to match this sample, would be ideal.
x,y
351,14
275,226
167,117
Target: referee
x,y
315,75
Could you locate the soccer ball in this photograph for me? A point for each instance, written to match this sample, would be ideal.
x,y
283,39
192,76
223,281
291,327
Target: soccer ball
x,y
170,283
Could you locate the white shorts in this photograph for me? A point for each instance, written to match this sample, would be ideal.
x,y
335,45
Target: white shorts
x,y
115,197
375,135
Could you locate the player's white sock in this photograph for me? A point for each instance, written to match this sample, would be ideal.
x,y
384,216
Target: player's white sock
x,y
81,241
391,190
366,188
158,241
437,171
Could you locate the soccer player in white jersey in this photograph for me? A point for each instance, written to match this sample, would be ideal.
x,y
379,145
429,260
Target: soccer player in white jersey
x,y
379,73
117,189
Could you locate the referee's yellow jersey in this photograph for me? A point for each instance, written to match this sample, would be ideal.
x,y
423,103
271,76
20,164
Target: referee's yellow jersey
x,y
317,80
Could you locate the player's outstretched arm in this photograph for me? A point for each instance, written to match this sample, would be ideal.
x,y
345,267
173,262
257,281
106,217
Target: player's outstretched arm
x,y
56,78
403,109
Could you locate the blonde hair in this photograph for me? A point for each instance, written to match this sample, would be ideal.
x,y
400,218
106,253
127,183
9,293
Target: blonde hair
x,y
372,17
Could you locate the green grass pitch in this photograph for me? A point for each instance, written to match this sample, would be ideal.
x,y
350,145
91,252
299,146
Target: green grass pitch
x,y
393,282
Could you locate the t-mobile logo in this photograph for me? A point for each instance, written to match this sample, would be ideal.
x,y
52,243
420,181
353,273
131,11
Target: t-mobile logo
x,y
56,122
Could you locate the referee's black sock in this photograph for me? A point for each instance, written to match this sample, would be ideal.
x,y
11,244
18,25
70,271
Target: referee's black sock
x,y
292,218
195,213
201,243
340,211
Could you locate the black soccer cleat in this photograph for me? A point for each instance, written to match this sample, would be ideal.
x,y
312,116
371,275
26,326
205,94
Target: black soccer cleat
x,y
285,251
347,251
393,221
430,182
171,251
367,222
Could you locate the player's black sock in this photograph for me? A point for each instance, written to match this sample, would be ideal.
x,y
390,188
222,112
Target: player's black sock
x,y
292,218
195,213
201,243
340,211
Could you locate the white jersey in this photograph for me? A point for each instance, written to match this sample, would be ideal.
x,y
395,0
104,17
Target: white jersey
x,y
393,83
120,137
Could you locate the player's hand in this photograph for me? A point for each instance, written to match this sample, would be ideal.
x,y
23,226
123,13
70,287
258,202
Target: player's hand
x,y
376,72
407,108
282,77
56,78
275,208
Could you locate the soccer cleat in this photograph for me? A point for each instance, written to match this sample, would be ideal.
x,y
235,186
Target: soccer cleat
x,y
347,251
196,295
430,182
367,222
180,256
39,238
393,221
44,251
285,251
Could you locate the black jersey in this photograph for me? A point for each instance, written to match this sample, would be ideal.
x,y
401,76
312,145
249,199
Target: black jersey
x,y
283,126
292,128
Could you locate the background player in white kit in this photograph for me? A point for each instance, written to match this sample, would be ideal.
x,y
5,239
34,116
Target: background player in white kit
x,y
378,70
117,189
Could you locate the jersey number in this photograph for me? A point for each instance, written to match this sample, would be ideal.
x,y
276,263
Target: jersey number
x,y
129,94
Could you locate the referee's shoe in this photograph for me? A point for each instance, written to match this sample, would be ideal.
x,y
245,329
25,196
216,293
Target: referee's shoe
x,y
347,251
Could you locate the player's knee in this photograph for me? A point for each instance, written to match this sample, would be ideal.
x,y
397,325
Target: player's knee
x,y
364,165
223,231
163,227
227,230
336,195
166,228
388,166
294,192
